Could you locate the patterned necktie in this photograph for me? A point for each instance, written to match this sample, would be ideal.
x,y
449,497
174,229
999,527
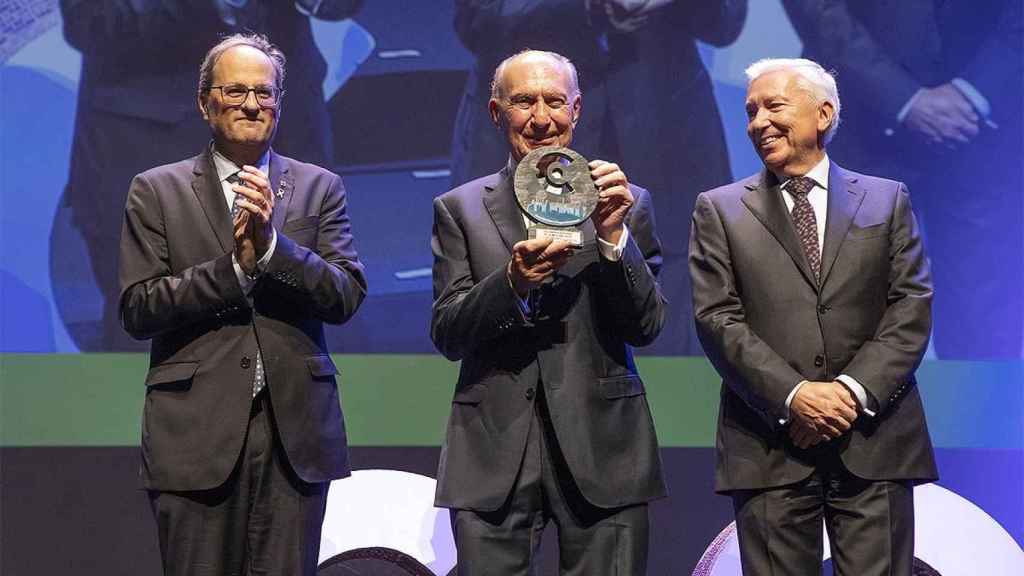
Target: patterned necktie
x,y
258,376
805,222
234,179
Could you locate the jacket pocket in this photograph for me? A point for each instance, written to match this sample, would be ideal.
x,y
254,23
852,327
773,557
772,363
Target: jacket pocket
x,y
471,395
321,366
172,375
621,386
872,231
300,224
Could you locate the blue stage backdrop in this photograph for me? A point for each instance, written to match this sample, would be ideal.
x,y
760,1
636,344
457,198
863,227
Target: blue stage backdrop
x,y
394,100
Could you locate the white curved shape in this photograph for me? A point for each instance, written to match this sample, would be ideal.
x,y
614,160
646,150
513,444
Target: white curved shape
x,y
955,536
392,509
951,534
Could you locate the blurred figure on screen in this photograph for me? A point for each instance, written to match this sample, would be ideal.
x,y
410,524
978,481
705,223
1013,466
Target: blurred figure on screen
x,y
934,97
135,110
649,104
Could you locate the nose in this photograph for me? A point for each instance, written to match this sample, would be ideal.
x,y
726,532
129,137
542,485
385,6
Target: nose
x,y
758,122
250,102
540,116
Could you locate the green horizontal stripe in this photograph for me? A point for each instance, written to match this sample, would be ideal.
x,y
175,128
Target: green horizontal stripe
x,y
403,400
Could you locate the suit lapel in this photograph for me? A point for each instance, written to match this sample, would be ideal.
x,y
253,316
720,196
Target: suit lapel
x,y
282,185
764,200
208,191
844,200
501,204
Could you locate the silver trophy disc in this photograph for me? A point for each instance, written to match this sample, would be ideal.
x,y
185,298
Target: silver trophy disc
x,y
555,191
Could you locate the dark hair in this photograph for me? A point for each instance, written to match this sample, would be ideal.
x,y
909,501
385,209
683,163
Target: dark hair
x,y
257,41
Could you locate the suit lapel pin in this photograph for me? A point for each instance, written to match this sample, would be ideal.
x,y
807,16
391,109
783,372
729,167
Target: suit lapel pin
x,y
281,188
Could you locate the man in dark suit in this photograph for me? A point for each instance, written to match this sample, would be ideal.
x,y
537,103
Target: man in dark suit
x,y
231,261
549,420
135,109
935,91
812,297
649,99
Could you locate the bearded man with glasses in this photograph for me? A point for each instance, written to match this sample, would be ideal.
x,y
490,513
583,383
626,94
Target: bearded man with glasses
x,y
231,261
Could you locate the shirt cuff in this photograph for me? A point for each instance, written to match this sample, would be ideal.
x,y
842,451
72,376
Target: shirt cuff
x,y
245,281
858,391
613,252
902,114
264,261
524,306
789,400
977,100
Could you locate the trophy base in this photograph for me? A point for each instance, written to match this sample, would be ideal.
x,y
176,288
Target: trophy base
x,y
571,235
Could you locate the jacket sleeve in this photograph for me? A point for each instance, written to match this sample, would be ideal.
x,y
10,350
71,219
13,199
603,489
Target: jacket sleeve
x,y
466,313
869,75
330,280
153,298
124,27
629,287
887,361
748,365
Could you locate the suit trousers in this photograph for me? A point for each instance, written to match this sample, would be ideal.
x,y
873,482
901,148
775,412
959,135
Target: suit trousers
x,y
263,520
592,541
870,525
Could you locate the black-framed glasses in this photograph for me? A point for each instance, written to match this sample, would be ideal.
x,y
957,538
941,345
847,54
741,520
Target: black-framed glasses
x,y
236,94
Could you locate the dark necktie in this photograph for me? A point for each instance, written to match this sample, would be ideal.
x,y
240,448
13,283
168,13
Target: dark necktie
x,y
805,222
257,379
234,179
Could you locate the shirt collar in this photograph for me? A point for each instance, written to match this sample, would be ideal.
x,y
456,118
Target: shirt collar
x,y
226,167
819,174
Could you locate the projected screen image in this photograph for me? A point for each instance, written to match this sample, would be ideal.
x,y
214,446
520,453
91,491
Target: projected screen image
x,y
395,100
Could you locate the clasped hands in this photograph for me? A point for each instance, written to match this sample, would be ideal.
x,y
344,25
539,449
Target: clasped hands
x,y
535,260
943,116
252,227
819,412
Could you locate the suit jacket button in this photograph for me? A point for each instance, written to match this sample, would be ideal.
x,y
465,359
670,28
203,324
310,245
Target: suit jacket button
x,y
823,309
819,361
529,393
244,363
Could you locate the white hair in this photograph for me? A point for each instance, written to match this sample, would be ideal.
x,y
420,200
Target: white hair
x,y
499,72
822,82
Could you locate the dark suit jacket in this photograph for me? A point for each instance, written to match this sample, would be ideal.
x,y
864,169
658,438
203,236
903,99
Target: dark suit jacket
x,y
766,325
179,288
576,344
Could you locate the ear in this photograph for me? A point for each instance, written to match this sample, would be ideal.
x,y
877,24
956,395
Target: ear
x,y
577,107
494,108
202,107
826,114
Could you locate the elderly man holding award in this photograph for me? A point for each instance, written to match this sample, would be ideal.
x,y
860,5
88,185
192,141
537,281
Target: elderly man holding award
x,y
544,277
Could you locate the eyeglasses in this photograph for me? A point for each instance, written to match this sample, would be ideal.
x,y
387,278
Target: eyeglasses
x,y
235,94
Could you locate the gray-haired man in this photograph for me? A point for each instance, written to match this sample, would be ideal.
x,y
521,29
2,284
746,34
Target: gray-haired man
x,y
812,297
